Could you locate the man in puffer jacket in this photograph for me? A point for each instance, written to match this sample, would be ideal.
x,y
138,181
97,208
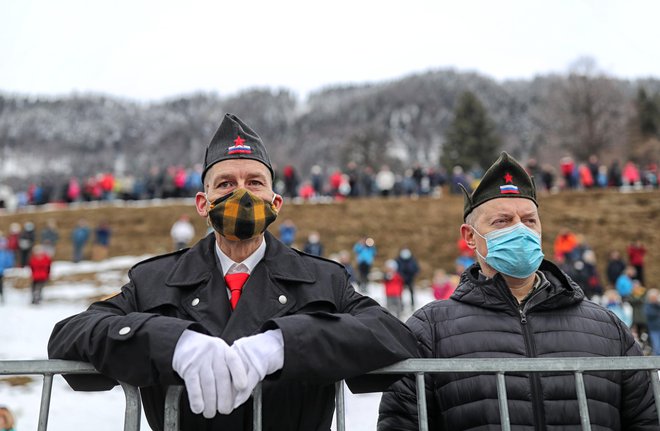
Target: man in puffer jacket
x,y
514,304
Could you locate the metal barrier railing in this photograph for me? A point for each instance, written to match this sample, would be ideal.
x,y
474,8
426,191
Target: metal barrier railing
x,y
501,366
48,368
419,367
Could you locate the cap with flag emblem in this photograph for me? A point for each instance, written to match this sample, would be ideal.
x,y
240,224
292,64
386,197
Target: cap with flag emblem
x,y
239,147
506,178
235,140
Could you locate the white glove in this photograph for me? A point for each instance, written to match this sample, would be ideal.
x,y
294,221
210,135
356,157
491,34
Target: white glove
x,y
262,354
211,370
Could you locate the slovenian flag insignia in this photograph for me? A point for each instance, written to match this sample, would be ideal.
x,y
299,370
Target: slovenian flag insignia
x,y
239,148
509,189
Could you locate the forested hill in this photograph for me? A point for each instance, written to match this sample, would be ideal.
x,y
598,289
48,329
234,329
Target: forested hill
x,y
399,122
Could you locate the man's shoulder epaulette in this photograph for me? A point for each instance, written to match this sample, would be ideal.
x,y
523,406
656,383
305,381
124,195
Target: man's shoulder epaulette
x,y
159,257
319,258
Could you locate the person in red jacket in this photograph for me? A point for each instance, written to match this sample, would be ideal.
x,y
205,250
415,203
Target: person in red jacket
x,y
393,287
636,252
39,263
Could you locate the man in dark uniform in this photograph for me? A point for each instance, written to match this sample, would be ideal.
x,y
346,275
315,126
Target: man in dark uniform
x,y
236,308
514,304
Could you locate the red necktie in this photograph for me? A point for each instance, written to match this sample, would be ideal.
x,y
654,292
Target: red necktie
x,y
235,283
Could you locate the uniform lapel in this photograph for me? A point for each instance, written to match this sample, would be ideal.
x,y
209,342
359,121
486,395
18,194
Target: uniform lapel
x,y
270,291
206,300
209,304
260,301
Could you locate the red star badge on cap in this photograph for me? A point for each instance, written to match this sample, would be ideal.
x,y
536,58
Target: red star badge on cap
x,y
508,178
239,141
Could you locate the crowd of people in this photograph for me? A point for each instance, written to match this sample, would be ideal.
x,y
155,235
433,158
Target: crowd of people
x,y
624,289
398,274
417,180
156,183
321,183
25,246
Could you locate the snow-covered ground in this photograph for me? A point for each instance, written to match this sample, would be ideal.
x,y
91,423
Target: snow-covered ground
x,y
24,332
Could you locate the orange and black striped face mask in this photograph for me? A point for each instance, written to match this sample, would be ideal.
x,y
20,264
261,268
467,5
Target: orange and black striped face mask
x,y
241,215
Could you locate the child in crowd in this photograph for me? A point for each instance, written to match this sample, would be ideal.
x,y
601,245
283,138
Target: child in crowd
x,y
39,263
442,285
393,287
637,300
613,302
624,283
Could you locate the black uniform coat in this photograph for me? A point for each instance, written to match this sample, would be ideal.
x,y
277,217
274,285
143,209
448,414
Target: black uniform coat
x,y
330,333
482,319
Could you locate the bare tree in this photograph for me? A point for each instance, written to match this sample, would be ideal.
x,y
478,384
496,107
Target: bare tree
x,y
367,148
588,111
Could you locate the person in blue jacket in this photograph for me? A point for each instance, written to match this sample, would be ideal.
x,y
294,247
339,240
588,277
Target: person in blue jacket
x,y
365,253
79,238
6,261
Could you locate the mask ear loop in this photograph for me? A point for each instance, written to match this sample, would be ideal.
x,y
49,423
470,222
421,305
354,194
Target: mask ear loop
x,y
475,231
475,246
211,206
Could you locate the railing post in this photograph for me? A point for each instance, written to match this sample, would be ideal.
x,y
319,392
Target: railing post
x,y
503,402
257,405
422,414
655,383
582,401
341,406
44,409
172,408
133,412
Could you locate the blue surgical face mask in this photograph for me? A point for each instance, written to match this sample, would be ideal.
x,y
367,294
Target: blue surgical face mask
x,y
514,251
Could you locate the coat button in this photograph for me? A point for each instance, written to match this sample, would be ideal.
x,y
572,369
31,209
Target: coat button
x,y
282,299
125,330
195,302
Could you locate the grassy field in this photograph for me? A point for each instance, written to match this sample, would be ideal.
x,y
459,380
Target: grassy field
x,y
428,226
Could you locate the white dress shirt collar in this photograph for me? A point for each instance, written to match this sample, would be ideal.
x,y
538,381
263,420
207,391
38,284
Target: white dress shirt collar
x,y
252,260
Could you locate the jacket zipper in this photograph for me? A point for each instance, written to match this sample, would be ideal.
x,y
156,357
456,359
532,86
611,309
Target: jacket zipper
x,y
535,380
530,348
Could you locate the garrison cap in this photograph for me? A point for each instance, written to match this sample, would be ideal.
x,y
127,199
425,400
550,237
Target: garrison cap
x,y
504,179
235,140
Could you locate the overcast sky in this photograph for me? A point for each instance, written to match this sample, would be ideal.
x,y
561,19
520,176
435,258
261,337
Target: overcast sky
x,y
153,50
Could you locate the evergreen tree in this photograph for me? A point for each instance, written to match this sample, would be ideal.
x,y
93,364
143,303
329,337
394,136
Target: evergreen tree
x,y
644,126
648,114
471,139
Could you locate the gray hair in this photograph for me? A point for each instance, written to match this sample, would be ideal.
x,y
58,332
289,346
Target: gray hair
x,y
471,218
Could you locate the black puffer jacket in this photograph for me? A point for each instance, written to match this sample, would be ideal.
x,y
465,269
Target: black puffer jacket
x,y
483,320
